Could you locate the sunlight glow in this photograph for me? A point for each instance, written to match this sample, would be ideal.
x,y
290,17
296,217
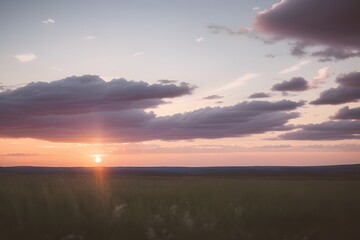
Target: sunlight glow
x,y
98,159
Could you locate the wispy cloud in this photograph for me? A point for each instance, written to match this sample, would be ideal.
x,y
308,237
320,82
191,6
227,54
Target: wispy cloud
x,y
166,81
295,67
137,54
199,39
212,97
19,154
48,21
216,29
240,81
25,57
256,8
90,37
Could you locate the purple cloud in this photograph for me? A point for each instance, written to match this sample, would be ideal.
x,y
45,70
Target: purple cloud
x,y
295,84
348,113
87,109
243,119
329,23
260,95
334,54
330,130
349,80
347,91
86,94
212,97
166,81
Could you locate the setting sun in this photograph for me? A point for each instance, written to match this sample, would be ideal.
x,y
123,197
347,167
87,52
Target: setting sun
x,y
98,159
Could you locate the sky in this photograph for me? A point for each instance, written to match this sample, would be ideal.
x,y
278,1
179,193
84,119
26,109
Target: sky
x,y
179,83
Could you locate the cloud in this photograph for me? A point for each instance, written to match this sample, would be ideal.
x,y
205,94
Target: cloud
x,y
299,49
329,23
260,95
295,67
137,54
347,91
347,113
242,31
223,29
339,95
335,54
88,93
89,37
330,130
25,57
296,84
199,39
19,154
270,55
256,8
234,121
48,21
88,109
212,97
240,81
166,81
325,54
349,80
323,74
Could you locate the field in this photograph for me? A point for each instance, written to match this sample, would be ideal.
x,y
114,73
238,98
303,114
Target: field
x,y
100,206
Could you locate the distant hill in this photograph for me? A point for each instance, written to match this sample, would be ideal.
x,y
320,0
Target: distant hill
x,y
338,171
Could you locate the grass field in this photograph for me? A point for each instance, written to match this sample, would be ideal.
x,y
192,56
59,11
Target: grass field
x,y
97,207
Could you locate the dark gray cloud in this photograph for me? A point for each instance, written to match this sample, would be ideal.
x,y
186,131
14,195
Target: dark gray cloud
x,y
295,84
235,121
329,23
349,80
85,94
330,130
326,54
166,81
260,95
85,110
347,113
299,49
334,54
212,97
339,95
347,91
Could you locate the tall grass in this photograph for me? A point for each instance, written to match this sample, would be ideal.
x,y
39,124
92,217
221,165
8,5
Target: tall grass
x,y
75,207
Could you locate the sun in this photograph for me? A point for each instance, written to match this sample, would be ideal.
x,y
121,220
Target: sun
x,y
98,159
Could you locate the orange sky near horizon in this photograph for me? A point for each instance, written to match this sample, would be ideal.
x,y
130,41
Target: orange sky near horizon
x,y
43,153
